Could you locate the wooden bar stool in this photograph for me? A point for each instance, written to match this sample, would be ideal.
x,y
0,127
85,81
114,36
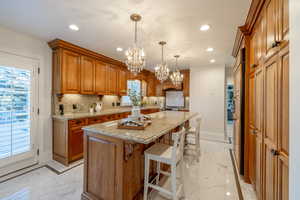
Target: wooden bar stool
x,y
195,133
171,155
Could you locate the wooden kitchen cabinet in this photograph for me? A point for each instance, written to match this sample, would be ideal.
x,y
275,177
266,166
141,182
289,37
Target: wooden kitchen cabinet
x,y
112,80
271,131
265,37
100,78
70,72
122,82
283,132
159,89
186,82
151,91
87,75
258,130
68,134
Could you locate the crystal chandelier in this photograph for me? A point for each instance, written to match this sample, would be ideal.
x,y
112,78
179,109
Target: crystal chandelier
x,y
176,77
135,56
162,70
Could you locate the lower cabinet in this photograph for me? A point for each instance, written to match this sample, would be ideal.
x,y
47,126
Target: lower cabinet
x,y
76,149
68,135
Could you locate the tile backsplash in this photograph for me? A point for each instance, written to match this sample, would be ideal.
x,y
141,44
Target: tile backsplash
x,y
84,102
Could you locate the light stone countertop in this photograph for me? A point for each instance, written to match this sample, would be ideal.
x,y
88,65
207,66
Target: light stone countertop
x,y
79,115
162,122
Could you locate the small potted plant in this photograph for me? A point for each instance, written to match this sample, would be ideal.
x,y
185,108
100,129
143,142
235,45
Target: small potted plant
x,y
135,99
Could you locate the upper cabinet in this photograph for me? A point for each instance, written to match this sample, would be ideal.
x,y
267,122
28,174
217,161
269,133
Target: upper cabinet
x,y
151,86
186,82
80,71
69,72
100,78
112,80
122,82
87,75
276,25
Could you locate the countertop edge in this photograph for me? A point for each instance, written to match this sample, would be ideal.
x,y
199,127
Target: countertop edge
x,y
108,112
141,141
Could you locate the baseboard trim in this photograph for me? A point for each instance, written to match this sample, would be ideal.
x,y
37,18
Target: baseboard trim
x,y
236,176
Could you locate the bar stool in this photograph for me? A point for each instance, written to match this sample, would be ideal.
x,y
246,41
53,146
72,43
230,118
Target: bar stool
x,y
194,132
171,155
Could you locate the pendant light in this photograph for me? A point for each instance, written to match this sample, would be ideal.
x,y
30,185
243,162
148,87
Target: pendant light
x,y
135,56
162,70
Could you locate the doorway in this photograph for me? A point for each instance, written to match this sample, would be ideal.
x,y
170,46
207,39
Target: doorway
x,y
18,112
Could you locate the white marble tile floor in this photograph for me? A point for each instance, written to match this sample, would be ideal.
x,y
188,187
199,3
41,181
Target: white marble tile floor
x,y
210,179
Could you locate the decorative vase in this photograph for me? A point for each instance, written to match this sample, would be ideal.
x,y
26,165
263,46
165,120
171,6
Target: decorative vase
x,y
98,107
136,111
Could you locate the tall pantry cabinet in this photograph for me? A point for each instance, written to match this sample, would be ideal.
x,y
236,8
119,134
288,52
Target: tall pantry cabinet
x,y
265,36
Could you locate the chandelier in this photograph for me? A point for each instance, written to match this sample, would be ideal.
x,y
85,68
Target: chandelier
x,y
162,70
176,77
135,56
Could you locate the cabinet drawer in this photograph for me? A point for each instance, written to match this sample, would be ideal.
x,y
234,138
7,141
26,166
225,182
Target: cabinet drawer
x,y
96,120
74,123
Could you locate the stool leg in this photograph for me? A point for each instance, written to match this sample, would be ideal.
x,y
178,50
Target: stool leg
x,y
146,181
181,177
158,173
173,181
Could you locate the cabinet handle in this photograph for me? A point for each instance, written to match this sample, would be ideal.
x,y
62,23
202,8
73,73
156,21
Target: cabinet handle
x,y
276,44
254,132
253,65
274,152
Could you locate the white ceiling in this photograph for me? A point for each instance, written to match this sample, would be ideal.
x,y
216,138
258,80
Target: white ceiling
x,y
105,25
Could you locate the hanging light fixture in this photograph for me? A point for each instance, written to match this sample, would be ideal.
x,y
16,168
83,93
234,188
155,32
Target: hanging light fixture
x,y
162,70
135,56
176,77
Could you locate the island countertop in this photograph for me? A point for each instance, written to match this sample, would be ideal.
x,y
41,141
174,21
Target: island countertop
x,y
162,122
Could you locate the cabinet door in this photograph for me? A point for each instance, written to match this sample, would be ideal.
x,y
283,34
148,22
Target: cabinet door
x,y
270,14
112,80
283,133
70,72
251,133
186,83
75,144
259,97
159,88
122,82
151,86
100,78
270,131
283,23
87,75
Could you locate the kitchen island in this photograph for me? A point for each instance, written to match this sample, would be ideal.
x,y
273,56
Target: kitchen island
x,y
114,158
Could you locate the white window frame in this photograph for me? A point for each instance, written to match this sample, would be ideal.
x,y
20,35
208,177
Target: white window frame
x,y
27,158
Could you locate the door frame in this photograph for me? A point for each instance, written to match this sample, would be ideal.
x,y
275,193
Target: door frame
x,y
23,160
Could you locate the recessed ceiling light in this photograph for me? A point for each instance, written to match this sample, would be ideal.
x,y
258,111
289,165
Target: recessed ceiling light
x,y
228,193
204,27
74,27
212,61
210,49
119,49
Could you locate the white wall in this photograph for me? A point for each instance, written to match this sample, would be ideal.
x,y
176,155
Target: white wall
x,y
207,85
294,100
27,46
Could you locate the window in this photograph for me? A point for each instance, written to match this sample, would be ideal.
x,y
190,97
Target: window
x,y
133,85
14,111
